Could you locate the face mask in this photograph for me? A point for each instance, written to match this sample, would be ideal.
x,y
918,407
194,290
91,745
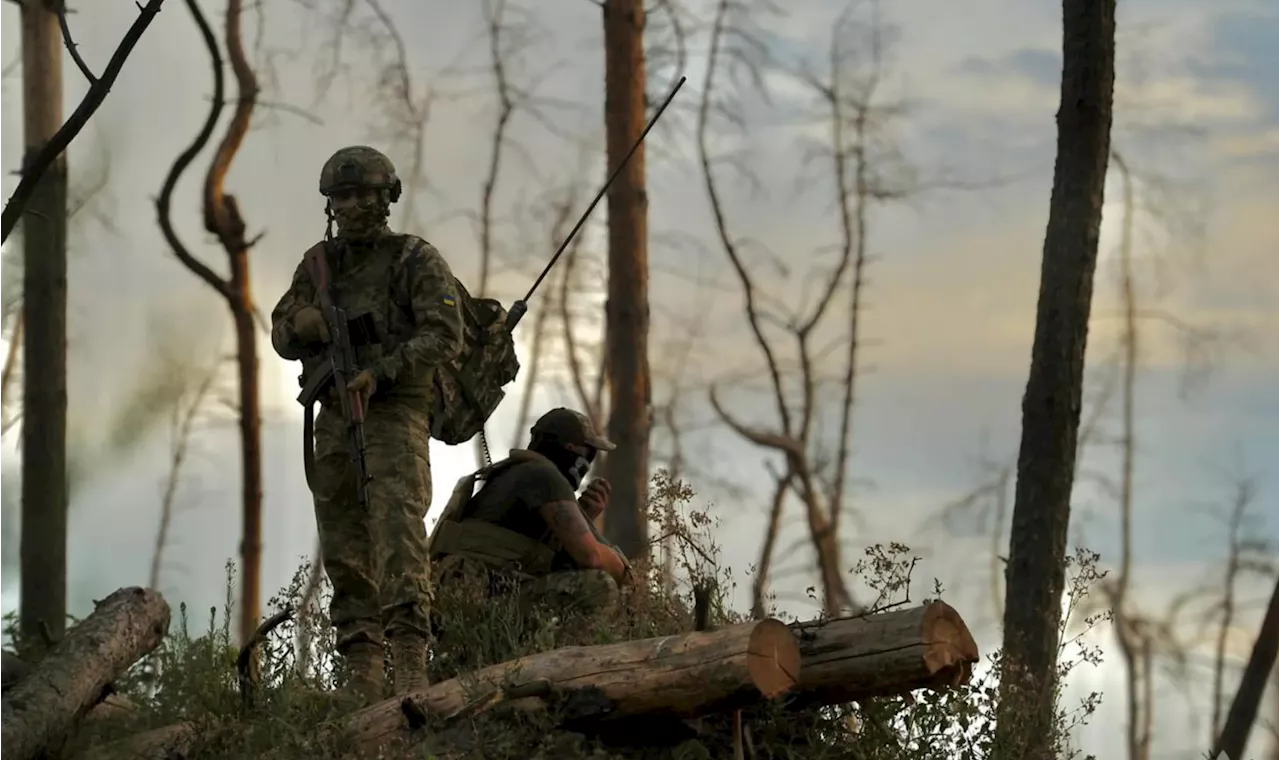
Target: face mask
x,y
572,465
361,221
577,471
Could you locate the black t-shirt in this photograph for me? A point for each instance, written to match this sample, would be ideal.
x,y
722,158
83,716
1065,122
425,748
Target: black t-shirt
x,y
514,495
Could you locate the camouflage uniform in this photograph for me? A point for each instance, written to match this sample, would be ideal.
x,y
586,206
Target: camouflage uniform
x,y
400,298
500,534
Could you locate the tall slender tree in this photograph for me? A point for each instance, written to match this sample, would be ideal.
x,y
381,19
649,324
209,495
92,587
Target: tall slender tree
x,y
1035,573
43,606
627,309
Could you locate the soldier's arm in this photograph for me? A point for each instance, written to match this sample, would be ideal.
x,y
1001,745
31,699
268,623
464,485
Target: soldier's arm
x,y
436,308
301,293
571,528
555,501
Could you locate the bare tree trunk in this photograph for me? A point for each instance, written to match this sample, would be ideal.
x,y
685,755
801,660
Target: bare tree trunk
x,y
1035,574
250,451
627,310
1244,708
1273,748
1227,607
760,583
1128,632
222,218
43,605
181,424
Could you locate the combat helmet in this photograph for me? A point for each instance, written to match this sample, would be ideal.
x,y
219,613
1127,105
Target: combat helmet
x,y
359,166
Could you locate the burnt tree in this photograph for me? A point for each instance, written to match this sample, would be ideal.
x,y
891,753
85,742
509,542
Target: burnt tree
x,y
1035,575
43,605
627,308
222,218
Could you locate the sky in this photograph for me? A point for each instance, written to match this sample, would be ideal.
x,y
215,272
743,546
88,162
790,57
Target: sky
x,y
946,326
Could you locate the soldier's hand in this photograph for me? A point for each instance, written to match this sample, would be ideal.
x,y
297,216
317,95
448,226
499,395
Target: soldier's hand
x,y
363,386
595,499
309,325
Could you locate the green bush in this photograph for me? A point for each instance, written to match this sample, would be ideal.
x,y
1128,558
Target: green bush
x,y
193,677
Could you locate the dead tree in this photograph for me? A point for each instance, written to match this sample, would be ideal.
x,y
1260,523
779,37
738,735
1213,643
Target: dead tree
x,y
1244,708
1034,576
627,307
38,321
222,218
41,710
182,420
849,99
1247,555
43,548
1129,627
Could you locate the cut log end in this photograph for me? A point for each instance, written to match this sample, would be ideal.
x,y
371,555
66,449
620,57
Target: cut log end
x,y
773,658
848,659
950,650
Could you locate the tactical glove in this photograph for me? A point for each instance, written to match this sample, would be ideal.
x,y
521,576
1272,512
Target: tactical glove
x,y
309,325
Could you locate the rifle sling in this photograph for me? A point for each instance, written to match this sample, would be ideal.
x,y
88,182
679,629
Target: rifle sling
x,y
318,268
309,445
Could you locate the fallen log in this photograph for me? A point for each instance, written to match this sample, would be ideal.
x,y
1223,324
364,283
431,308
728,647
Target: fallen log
x,y
811,663
844,660
676,676
13,669
41,709
162,743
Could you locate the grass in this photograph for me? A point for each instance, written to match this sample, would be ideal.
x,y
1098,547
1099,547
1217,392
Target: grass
x,y
192,677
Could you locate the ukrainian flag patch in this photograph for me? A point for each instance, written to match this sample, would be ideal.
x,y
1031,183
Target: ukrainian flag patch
x,y
449,300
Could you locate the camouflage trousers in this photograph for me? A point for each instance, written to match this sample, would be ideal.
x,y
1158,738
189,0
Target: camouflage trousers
x,y
376,558
565,592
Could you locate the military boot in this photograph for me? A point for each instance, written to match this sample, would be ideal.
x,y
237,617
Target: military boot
x,y
365,677
408,661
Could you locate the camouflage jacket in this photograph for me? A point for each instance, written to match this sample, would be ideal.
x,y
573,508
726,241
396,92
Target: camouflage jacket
x,y
402,307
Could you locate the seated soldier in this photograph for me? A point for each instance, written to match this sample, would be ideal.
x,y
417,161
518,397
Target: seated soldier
x,y
527,528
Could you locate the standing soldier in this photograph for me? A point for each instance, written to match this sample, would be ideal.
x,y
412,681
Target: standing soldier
x,y
401,303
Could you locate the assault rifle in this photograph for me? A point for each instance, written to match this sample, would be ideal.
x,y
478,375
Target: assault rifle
x,y
339,368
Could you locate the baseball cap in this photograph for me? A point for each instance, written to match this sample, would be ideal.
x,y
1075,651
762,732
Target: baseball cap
x,y
569,426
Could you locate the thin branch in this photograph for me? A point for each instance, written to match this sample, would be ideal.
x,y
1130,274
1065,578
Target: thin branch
x,y
493,12
589,402
72,47
221,213
717,210
32,171
244,661
184,159
182,423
